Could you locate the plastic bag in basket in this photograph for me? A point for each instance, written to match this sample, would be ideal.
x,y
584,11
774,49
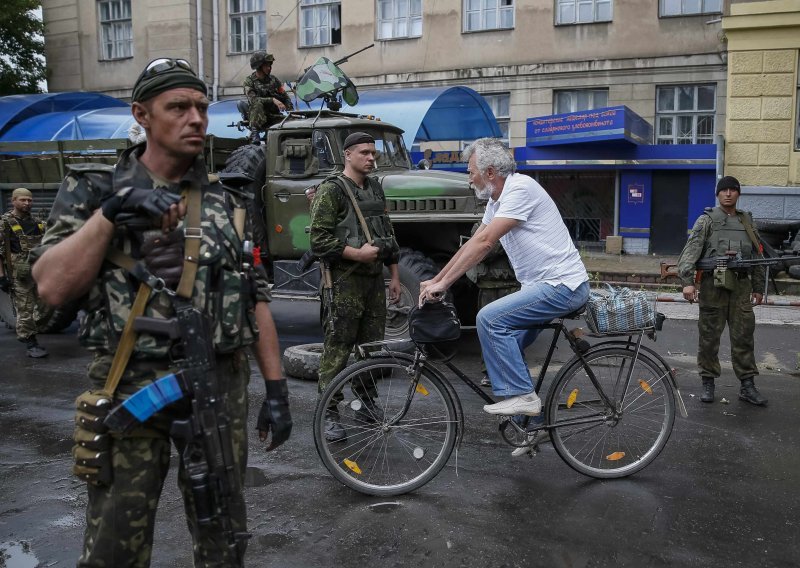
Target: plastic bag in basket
x,y
619,311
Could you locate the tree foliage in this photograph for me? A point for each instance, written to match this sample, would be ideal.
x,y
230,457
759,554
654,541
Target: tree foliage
x,y
22,64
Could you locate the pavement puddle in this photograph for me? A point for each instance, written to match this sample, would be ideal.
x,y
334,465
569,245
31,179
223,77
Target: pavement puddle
x,y
17,555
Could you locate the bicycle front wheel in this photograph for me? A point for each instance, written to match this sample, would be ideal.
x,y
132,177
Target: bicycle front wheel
x,y
397,426
618,439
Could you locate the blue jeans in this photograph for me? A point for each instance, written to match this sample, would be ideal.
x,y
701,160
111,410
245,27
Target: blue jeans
x,y
504,331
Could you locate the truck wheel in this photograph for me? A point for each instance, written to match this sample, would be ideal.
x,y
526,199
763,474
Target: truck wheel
x,y
302,361
250,160
414,268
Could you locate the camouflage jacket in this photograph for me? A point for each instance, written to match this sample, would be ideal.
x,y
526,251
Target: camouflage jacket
x,y
18,236
699,246
330,207
266,88
222,289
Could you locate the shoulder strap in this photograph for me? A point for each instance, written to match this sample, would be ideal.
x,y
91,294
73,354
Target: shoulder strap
x,y
750,232
360,216
193,234
127,340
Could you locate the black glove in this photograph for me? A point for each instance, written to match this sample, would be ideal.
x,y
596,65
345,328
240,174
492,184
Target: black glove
x,y
131,203
5,284
275,415
163,255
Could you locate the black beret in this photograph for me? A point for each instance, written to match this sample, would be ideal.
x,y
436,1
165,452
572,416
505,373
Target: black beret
x,y
728,182
358,138
164,74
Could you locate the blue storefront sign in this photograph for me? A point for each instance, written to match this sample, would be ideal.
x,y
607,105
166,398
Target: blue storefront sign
x,y
612,123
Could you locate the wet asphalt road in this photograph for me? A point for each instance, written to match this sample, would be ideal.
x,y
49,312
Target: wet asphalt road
x,y
723,493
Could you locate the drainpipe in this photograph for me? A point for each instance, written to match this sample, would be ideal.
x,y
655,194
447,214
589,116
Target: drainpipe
x,y
720,162
616,202
200,59
215,21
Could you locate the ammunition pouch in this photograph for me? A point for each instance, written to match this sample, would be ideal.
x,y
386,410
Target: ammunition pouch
x,y
92,450
724,278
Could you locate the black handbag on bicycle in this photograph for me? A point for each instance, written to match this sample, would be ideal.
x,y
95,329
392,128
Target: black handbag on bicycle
x,y
435,327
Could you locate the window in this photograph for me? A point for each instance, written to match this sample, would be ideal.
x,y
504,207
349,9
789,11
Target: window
x,y
688,7
580,99
320,23
116,29
399,18
248,25
500,105
685,114
482,15
582,11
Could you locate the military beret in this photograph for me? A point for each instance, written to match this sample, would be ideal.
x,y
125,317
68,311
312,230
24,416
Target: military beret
x,y
164,74
728,182
358,138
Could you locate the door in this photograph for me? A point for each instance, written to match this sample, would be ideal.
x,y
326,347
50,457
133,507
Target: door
x,y
670,212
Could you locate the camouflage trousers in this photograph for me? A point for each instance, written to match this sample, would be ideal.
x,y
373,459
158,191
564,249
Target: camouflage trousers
x,y
719,307
356,315
488,292
26,302
262,114
120,518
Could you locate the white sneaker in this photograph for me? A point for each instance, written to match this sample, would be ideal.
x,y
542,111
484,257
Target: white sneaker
x,y
529,404
519,452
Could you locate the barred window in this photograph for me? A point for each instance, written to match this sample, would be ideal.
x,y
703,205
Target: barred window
x,y
481,15
399,18
688,7
116,29
685,114
320,23
579,99
248,21
583,11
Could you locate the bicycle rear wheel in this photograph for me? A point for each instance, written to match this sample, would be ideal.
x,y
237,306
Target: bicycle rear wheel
x,y
604,442
400,446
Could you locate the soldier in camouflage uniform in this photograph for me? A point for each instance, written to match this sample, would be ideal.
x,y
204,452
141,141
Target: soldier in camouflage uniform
x,y
265,94
355,312
715,232
19,233
136,207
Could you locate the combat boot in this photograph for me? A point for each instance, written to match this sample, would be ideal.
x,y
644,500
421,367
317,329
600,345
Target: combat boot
x,y
255,137
749,393
34,349
708,390
334,431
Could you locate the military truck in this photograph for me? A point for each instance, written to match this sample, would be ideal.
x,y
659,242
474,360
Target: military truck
x,y
432,211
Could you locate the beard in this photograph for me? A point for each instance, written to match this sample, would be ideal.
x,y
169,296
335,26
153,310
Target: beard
x,y
482,193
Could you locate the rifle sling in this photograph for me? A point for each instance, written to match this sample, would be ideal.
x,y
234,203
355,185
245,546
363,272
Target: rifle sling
x,y
193,234
751,233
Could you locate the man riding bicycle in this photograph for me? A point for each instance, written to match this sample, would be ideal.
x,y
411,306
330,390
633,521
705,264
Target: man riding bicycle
x,y
522,216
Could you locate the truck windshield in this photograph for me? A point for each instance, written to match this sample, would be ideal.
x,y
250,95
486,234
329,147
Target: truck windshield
x,y
391,149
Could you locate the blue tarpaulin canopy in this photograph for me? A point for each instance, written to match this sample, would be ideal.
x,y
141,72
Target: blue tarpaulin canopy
x,y
17,108
424,114
431,113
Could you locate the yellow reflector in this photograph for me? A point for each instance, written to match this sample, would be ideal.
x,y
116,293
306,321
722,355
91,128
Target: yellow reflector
x,y
422,390
615,456
573,396
353,466
645,386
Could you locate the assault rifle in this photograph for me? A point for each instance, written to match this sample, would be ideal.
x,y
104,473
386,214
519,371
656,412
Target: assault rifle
x,y
203,439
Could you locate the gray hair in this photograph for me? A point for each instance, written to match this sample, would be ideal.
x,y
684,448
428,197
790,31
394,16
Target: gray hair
x,y
490,152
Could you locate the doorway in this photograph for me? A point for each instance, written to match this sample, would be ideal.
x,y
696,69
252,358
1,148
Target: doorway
x,y
670,212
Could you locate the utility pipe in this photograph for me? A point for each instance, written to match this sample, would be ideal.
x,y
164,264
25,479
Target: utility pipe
x,y
200,59
215,21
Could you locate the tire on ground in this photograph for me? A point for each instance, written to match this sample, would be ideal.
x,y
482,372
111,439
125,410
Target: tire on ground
x,y
302,361
775,231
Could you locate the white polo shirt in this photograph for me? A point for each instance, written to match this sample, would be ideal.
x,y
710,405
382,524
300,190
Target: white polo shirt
x,y
539,247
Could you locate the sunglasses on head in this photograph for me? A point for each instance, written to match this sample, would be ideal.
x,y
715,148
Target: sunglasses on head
x,y
163,64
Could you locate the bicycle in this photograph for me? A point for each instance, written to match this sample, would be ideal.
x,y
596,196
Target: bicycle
x,y
609,411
